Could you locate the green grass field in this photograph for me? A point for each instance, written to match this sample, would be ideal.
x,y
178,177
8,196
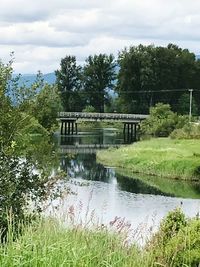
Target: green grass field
x,y
164,157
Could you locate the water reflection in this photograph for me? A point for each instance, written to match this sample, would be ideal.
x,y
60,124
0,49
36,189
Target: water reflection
x,y
167,187
85,166
109,192
137,186
78,159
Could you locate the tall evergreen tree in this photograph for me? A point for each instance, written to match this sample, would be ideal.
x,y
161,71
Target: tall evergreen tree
x,y
99,74
68,79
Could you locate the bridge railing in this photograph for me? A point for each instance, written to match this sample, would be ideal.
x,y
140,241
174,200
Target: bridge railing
x,y
91,115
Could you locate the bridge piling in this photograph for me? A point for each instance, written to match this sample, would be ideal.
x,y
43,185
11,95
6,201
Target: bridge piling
x,y
130,131
61,130
68,127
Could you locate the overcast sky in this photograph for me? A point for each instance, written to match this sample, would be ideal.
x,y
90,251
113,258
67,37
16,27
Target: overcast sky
x,y
41,32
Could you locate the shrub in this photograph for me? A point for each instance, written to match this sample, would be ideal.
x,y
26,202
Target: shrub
x,y
162,121
183,249
19,184
189,131
89,109
174,221
177,241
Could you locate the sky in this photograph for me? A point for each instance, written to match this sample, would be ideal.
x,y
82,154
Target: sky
x,y
41,32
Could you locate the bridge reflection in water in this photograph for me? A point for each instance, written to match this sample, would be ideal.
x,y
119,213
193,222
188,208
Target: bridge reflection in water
x,y
85,149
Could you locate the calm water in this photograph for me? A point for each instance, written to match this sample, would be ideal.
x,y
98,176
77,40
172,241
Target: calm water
x,y
102,193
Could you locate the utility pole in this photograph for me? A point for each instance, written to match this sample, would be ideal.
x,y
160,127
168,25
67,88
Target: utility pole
x,y
190,112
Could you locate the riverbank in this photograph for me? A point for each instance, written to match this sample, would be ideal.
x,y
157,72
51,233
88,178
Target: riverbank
x,y
47,243
164,157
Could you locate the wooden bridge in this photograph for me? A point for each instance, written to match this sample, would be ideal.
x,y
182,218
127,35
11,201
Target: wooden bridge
x,y
131,121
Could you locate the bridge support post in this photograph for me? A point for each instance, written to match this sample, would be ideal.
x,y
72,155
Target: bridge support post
x,y
61,130
68,127
131,131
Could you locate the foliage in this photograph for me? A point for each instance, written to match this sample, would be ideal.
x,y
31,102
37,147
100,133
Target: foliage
x,y
23,96
89,108
10,119
19,184
148,75
46,106
189,131
19,180
69,82
5,75
177,242
161,156
49,244
99,74
183,105
162,121
169,227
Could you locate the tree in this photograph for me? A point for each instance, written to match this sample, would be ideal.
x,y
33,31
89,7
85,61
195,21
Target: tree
x,y
9,118
184,105
19,183
23,96
46,106
69,82
135,75
99,74
149,75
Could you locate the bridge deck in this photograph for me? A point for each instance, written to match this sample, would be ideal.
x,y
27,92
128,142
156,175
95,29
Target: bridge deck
x,y
101,116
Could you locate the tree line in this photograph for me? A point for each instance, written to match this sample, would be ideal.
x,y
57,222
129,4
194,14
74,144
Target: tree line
x,y
139,78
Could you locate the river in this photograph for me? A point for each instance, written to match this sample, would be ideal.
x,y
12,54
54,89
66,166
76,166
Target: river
x,y
102,195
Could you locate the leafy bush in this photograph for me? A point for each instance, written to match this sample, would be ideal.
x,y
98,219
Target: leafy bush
x,y
162,121
46,106
89,108
189,131
177,242
183,249
19,185
174,221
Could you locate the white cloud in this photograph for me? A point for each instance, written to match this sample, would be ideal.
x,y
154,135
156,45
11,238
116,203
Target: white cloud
x,y
42,32
38,33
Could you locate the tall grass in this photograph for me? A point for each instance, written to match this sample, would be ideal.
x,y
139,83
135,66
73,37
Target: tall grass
x,y
46,243
179,159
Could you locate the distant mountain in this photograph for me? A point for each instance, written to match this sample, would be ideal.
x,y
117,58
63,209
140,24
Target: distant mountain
x,y
29,79
197,56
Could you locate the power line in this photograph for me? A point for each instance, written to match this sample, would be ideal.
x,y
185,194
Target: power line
x,y
158,91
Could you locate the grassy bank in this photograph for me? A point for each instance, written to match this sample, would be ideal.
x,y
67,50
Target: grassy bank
x,y
164,157
47,244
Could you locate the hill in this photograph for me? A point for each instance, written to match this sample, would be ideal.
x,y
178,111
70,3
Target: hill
x,y
29,79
